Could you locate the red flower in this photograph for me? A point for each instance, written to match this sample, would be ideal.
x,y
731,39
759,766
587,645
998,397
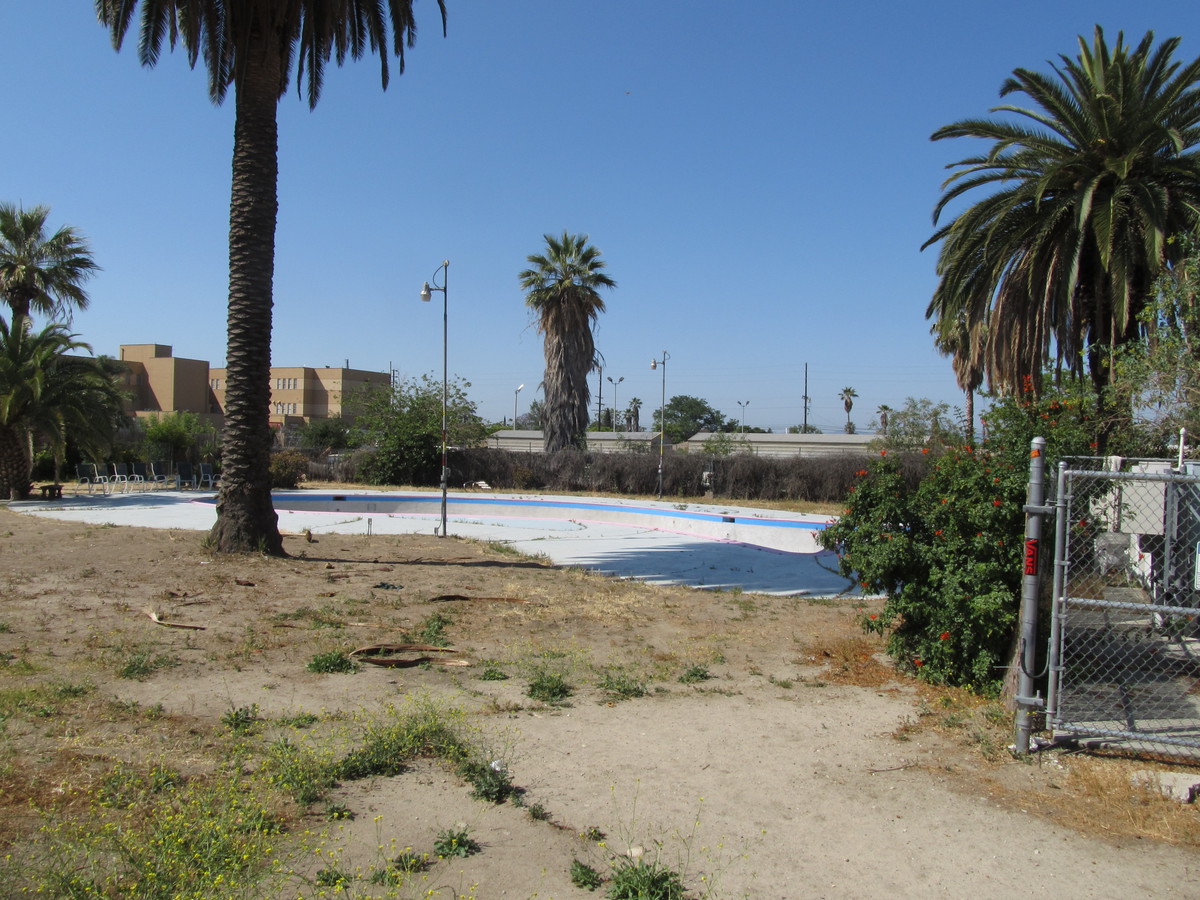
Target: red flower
x,y
945,635
883,453
924,449
918,663
873,617
997,503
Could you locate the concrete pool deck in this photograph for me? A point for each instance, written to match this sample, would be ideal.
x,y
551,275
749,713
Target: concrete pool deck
x,y
712,546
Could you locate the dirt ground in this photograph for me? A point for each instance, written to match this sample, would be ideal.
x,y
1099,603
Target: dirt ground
x,y
803,767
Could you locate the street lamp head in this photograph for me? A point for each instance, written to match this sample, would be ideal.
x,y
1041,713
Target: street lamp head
x,y
426,293
520,387
653,364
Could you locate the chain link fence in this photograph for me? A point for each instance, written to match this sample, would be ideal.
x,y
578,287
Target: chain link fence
x,y
1124,668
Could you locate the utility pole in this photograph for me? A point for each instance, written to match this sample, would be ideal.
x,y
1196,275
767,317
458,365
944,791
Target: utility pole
x,y
806,398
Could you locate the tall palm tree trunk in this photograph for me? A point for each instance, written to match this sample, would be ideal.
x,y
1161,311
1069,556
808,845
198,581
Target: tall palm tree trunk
x,y
14,463
246,519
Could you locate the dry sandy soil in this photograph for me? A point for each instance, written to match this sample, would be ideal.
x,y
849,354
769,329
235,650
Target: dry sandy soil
x,y
802,768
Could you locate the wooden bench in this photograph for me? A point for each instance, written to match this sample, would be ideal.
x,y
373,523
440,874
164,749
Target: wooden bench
x,y
51,491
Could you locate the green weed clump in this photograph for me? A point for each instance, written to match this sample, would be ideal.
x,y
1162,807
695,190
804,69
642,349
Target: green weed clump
x,y
637,879
335,662
455,843
549,687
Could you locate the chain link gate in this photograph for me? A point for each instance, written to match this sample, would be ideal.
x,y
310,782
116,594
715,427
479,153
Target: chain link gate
x,y
1124,655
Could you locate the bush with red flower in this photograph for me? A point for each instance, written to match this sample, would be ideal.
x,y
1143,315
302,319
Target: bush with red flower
x,y
946,551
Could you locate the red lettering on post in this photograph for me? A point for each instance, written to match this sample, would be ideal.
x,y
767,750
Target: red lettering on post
x,y
1031,556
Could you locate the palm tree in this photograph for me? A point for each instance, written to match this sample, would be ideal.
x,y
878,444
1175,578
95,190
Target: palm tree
x,y
965,347
48,392
633,416
1090,182
847,396
39,272
562,290
250,45
885,412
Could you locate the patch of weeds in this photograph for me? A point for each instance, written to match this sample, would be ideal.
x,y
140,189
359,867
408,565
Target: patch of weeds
x,y
455,843
338,812
334,878
593,834
786,683
637,879
335,662
300,720
433,628
425,730
489,780
622,686
242,719
538,812
5,628
584,876
549,687
142,663
695,674
298,772
409,862
491,673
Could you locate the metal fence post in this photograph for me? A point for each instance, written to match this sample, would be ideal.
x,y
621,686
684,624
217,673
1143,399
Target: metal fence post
x,y
1053,660
1026,699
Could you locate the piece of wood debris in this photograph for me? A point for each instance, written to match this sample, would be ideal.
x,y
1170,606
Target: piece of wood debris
x,y
445,598
154,617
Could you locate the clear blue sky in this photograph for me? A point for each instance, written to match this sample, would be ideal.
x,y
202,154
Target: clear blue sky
x,y
759,178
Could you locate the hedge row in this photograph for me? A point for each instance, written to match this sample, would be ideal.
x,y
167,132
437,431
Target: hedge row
x,y
742,476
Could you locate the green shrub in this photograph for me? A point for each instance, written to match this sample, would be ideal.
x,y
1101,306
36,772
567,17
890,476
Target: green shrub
x,y
288,469
641,880
947,551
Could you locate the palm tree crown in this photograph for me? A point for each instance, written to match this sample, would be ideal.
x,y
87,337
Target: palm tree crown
x,y
1089,181
562,290
38,272
250,45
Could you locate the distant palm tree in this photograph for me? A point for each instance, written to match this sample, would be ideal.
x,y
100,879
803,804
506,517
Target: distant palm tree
x,y
633,417
885,412
562,290
1089,184
40,272
965,347
49,392
251,45
847,396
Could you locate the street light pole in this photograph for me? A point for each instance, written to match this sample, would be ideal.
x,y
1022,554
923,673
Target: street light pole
x,y
426,296
662,417
614,384
516,393
742,427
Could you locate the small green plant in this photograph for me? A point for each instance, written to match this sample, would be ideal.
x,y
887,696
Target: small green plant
x,y
141,664
489,780
548,687
335,662
584,876
334,878
300,720
455,842
622,686
339,812
409,861
695,674
491,673
538,812
637,879
433,628
241,719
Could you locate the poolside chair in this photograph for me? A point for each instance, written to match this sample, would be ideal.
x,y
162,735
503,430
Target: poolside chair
x,y
140,472
157,474
120,475
89,474
206,476
184,476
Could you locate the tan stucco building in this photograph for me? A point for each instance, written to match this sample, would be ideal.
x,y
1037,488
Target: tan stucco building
x,y
159,382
